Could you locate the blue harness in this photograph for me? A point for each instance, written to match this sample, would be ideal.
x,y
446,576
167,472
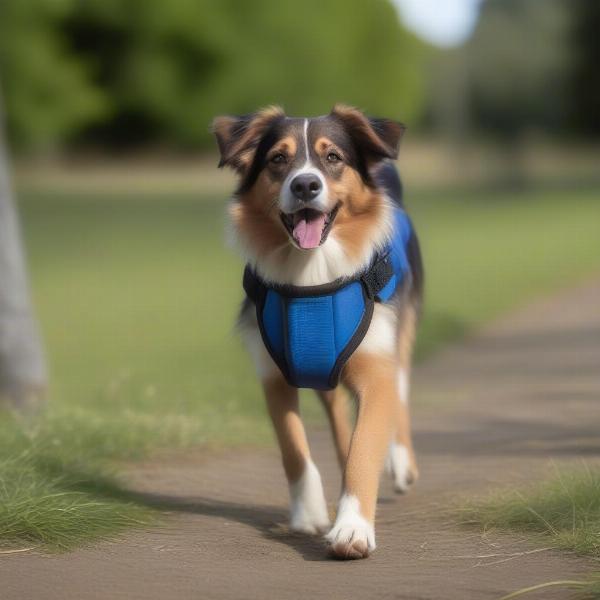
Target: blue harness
x,y
311,331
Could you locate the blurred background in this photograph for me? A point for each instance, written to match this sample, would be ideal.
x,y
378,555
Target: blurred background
x,y
99,77
106,110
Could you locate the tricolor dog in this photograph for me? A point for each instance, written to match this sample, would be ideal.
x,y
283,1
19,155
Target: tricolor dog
x,y
333,287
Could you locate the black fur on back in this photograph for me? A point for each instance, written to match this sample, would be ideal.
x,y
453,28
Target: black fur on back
x,y
387,178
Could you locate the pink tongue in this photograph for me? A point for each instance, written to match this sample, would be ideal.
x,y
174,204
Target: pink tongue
x,y
308,229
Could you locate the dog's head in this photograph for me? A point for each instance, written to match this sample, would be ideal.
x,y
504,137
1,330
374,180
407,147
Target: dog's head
x,y
303,181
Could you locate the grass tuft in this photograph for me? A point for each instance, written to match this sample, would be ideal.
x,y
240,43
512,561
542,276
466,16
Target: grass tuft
x,y
55,506
563,510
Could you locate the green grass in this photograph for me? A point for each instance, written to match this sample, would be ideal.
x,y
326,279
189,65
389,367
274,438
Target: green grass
x,y
137,297
46,502
563,512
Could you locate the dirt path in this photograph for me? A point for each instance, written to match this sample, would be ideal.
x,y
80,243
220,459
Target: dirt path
x,y
500,408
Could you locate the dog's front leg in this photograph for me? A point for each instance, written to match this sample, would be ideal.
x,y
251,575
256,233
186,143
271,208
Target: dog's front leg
x,y
372,377
335,403
308,509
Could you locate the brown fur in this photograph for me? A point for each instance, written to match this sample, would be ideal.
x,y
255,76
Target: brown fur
x,y
239,154
372,378
361,207
255,215
375,145
335,403
360,212
406,340
282,402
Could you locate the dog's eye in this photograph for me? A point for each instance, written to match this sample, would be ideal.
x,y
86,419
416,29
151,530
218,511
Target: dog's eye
x,y
278,158
333,157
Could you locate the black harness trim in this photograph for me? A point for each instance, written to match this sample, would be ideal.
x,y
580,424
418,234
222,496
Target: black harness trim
x,y
372,281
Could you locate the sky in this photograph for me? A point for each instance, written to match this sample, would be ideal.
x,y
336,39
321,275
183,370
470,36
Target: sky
x,y
444,23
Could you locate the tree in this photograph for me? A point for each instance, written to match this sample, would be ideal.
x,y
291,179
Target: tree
x,y
519,61
585,82
134,72
46,88
22,365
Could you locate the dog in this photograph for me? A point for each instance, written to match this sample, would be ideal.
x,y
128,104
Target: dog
x,y
334,286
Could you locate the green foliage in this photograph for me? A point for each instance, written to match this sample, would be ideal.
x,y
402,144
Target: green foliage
x,y
47,92
142,357
518,62
529,67
130,71
585,82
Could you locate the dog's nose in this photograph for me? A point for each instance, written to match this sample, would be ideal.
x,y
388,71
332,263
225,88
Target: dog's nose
x,y
306,186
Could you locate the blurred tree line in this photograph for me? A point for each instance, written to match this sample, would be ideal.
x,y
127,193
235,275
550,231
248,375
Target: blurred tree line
x,y
530,66
133,72
123,72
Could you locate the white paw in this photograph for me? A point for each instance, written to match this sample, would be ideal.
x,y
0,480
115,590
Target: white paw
x,y
398,465
352,536
308,509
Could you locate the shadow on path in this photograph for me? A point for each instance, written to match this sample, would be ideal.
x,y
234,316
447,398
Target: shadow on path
x,y
269,521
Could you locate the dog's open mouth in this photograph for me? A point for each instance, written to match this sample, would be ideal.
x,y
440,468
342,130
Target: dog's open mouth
x,y
308,227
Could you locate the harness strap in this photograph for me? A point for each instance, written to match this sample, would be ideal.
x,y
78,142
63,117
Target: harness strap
x,y
375,278
378,275
311,331
253,286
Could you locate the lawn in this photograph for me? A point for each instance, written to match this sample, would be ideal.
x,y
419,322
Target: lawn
x,y
137,296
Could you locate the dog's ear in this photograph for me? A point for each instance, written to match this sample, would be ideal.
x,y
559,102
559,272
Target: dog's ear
x,y
238,137
376,139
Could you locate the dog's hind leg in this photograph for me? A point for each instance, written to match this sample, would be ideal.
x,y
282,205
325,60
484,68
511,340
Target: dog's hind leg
x,y
400,461
308,509
335,403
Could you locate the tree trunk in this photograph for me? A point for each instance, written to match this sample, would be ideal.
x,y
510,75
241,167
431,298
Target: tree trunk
x,y
22,364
